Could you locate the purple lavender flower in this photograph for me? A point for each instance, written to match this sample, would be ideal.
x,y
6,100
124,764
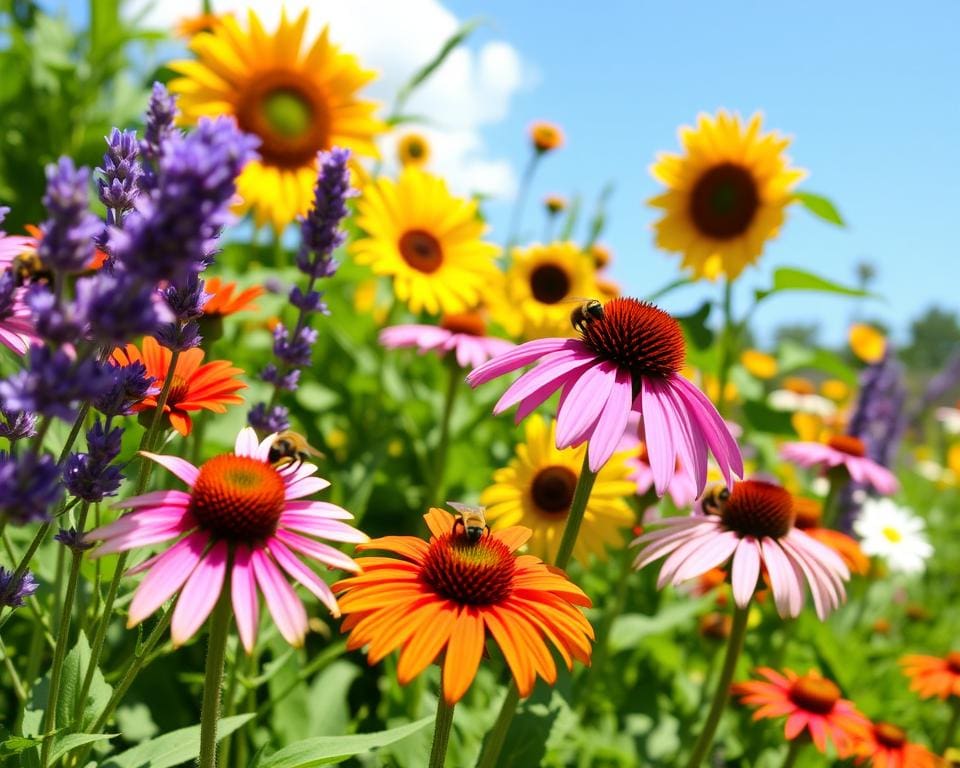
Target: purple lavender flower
x,y
268,420
170,233
118,308
55,322
187,299
161,112
320,233
53,383
287,381
14,590
119,182
309,302
29,487
175,336
17,425
70,231
73,539
91,475
294,352
129,385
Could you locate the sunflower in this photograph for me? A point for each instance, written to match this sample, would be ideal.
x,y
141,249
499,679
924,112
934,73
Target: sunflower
x,y
542,287
726,195
413,149
536,488
298,99
427,240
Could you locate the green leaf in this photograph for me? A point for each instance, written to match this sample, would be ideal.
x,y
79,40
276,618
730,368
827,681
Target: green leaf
x,y
71,741
789,279
325,750
762,417
172,748
599,220
794,357
14,745
695,326
630,628
669,288
821,207
421,75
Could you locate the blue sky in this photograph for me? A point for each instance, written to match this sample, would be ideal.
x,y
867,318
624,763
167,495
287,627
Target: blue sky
x,y
868,90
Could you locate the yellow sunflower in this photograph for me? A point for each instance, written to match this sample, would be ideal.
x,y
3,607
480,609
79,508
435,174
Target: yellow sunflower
x,y
726,195
298,99
428,241
413,149
535,490
542,287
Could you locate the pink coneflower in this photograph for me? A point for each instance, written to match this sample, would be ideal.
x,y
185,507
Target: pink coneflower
x,y
848,452
627,359
463,334
755,528
16,330
682,490
242,514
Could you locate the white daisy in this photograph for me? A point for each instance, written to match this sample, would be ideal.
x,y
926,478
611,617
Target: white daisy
x,y
795,402
950,418
894,534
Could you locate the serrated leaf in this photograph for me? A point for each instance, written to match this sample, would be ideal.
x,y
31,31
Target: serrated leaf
x,y
325,750
172,748
790,279
821,207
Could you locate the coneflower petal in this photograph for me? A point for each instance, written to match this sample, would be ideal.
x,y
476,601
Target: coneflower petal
x,y
243,594
166,576
746,570
584,403
285,607
199,594
519,357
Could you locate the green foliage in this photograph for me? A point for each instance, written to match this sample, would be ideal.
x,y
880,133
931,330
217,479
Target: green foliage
x,y
790,279
934,337
174,748
821,207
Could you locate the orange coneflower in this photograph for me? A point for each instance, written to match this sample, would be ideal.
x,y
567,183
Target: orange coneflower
x,y
196,385
811,704
809,513
545,136
886,746
451,593
222,302
933,676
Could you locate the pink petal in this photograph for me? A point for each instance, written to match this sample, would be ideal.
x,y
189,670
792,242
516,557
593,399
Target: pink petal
x,y
136,521
711,555
179,467
881,478
167,575
715,431
823,598
333,530
289,562
282,602
199,594
787,589
319,509
243,593
305,487
141,537
536,399
691,448
612,422
583,403
519,357
321,552
746,570
246,443
155,499
553,373
657,434
679,556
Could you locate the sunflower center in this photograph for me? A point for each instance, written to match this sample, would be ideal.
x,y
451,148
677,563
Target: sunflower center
x,y
848,444
549,284
814,694
469,323
421,250
469,573
889,735
552,489
892,535
637,336
238,498
415,148
808,512
759,509
953,661
724,201
290,116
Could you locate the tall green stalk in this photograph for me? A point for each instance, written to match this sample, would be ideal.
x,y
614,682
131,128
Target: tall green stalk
x,y
441,730
796,746
213,678
437,485
738,633
950,734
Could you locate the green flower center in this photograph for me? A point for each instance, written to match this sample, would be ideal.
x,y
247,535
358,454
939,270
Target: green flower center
x,y
288,113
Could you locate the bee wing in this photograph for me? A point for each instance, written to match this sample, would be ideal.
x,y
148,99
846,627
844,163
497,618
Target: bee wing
x,y
466,508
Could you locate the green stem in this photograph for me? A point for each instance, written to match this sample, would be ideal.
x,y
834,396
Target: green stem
x,y
230,698
213,679
581,495
18,688
516,216
60,652
436,488
734,647
726,349
796,745
441,731
839,477
951,733
493,745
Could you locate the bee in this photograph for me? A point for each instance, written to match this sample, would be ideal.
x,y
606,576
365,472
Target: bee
x,y
29,269
472,519
715,499
290,449
588,311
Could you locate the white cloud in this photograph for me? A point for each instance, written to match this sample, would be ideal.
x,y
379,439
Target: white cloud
x,y
472,88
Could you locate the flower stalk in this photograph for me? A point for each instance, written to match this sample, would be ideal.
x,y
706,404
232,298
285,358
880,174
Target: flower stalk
x,y
441,731
796,746
437,484
213,679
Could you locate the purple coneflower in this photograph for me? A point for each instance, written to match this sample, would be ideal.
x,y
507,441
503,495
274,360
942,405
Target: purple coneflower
x,y
465,335
843,451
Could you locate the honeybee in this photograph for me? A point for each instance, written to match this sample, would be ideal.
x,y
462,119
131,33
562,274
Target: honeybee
x,y
472,519
715,499
28,268
588,311
290,449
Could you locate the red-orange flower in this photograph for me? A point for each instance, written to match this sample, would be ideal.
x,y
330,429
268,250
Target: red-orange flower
x,y
545,136
809,513
196,385
811,704
886,746
452,593
222,302
932,676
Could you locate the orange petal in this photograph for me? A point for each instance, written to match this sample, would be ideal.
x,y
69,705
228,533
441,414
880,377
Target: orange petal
x,y
463,654
423,646
514,537
521,666
408,546
439,522
180,421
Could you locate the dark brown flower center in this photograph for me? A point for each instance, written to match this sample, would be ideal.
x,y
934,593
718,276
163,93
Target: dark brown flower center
x,y
238,498
468,573
814,694
638,337
289,115
889,735
549,283
807,512
724,201
415,148
421,250
470,323
552,489
759,509
847,444
953,662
